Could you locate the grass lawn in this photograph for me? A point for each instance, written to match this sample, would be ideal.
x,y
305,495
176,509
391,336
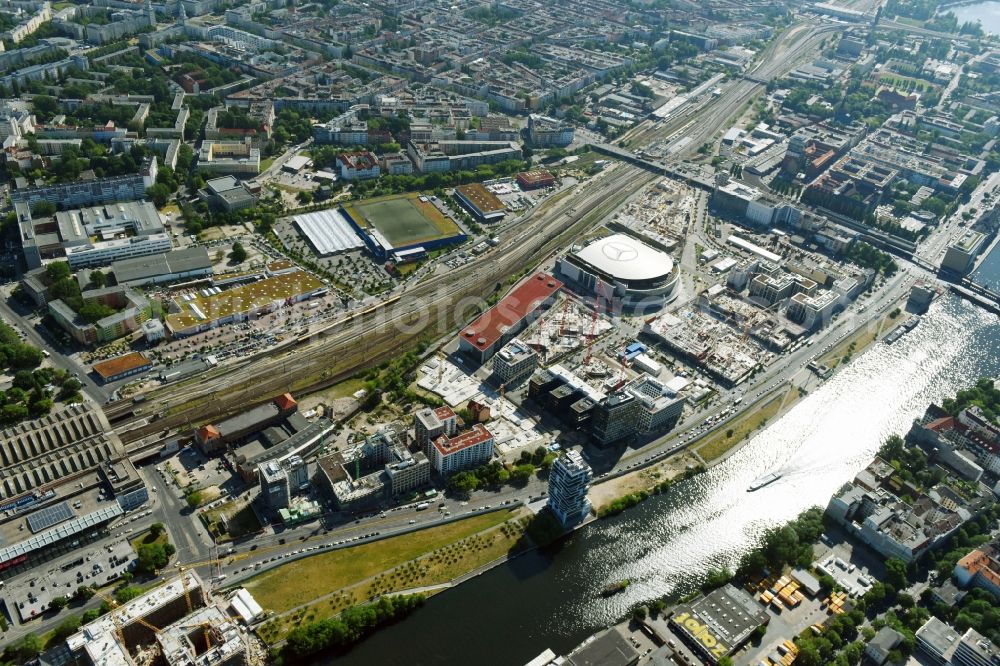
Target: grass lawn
x,y
302,581
238,521
148,538
860,339
438,559
266,164
719,443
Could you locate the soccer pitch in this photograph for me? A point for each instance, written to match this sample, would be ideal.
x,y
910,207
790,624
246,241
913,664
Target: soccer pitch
x,y
404,219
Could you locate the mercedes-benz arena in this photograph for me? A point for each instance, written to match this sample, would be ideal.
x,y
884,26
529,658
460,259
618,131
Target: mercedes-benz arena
x,y
622,268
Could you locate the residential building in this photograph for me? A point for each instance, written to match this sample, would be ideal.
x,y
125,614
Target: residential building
x,y
569,481
980,568
868,509
429,424
131,310
463,451
358,166
545,132
878,649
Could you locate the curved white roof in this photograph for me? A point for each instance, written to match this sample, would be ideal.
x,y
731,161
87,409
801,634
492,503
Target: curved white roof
x,y
626,258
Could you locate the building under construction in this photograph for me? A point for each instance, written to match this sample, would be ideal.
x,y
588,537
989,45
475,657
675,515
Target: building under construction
x,y
176,624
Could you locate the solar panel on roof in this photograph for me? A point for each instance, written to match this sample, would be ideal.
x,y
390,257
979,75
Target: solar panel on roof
x,y
49,516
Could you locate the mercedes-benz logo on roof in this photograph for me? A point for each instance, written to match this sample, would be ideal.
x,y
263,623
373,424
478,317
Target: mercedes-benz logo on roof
x,y
618,251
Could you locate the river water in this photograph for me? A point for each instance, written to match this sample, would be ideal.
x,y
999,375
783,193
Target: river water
x,y
551,599
986,12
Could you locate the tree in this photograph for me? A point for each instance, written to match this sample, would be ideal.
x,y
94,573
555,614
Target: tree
x,y
159,193
895,573
521,474
43,209
98,278
59,602
238,253
156,529
57,270
463,483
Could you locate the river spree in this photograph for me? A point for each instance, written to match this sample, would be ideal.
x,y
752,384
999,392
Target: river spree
x,y
552,599
986,12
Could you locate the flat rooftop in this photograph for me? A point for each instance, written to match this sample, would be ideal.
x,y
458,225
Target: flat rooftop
x,y
116,366
515,306
247,298
485,201
175,261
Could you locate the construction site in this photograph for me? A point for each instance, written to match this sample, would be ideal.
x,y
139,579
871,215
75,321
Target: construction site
x,y
661,214
179,623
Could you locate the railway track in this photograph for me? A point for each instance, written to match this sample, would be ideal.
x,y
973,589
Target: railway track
x,y
364,340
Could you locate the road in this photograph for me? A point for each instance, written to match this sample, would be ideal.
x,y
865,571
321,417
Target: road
x,y
26,324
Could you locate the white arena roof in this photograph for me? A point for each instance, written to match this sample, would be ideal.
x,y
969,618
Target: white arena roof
x,y
328,231
626,258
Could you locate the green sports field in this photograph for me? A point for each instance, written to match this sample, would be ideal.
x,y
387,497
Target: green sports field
x,y
403,219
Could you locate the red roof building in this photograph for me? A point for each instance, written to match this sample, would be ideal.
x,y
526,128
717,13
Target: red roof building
x,y
465,451
498,325
285,402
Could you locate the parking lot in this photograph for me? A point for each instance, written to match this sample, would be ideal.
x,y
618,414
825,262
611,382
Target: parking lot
x,y
32,595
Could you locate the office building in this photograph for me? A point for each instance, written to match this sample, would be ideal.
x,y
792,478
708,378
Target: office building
x,y
937,640
514,362
467,450
229,157
615,418
227,194
960,257
659,406
974,649
569,481
813,311
274,486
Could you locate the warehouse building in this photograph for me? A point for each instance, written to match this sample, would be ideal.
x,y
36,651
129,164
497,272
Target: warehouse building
x,y
718,624
121,367
498,325
188,263
328,232
483,204
213,438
